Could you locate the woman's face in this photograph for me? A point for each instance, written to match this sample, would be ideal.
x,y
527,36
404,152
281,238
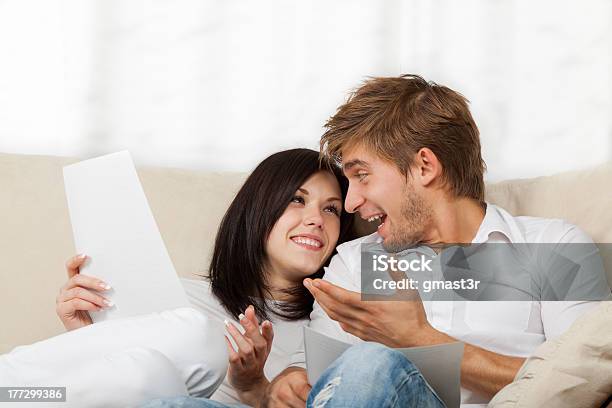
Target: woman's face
x,y
306,234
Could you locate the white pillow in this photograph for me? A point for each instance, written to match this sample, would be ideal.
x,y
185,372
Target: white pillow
x,y
191,342
570,371
131,378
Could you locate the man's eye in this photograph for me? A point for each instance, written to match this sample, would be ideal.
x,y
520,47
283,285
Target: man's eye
x,y
297,199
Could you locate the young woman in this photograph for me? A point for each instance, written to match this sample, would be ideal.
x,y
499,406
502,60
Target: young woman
x,y
283,226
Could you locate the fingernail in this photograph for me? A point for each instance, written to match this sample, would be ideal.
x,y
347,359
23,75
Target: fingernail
x,y
316,283
105,286
82,256
226,322
251,307
307,283
241,316
108,303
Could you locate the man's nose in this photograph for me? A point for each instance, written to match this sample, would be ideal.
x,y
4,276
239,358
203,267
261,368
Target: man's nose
x,y
353,199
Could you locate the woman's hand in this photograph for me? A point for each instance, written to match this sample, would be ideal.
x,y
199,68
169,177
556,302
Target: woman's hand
x,y
246,365
77,296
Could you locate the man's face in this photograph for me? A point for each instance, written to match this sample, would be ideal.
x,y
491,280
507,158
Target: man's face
x,y
382,194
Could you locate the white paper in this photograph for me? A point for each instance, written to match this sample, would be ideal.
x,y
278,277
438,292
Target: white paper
x,y
440,364
113,224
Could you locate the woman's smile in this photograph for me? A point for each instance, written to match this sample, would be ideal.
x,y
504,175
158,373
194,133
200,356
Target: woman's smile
x,y
308,241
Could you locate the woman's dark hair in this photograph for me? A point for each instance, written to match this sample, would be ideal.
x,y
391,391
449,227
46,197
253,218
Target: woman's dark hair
x,y
237,268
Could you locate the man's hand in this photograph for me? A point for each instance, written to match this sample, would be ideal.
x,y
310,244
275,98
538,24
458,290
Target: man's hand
x,y
403,323
400,323
289,389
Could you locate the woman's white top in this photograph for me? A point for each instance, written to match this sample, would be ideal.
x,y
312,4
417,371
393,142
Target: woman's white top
x,y
287,334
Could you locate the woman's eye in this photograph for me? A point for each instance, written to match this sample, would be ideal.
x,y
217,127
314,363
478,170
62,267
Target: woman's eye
x,y
297,199
333,209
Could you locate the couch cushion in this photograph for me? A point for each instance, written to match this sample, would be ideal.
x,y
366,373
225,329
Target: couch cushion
x,y
571,371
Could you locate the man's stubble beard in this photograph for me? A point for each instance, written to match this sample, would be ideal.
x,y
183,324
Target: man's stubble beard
x,y
416,215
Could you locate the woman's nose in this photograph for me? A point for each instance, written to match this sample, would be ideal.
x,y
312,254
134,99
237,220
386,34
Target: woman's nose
x,y
314,218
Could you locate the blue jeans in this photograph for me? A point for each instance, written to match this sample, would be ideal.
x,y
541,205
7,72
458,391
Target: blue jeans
x,y
366,375
372,375
188,402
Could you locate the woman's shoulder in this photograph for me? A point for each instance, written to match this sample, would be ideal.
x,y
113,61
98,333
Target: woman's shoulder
x,y
201,298
195,286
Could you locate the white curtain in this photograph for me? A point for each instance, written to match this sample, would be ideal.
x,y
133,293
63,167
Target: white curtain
x,y
221,84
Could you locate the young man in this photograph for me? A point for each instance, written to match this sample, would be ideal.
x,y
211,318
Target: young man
x,y
411,152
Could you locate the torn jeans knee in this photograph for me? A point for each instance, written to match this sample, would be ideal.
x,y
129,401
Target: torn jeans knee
x,y
326,393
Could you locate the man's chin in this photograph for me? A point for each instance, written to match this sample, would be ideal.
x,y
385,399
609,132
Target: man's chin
x,y
392,246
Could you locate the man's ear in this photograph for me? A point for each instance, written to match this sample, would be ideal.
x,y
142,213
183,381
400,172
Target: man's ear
x,y
427,168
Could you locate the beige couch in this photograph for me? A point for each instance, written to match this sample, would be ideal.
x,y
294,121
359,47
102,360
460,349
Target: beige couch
x,y
36,236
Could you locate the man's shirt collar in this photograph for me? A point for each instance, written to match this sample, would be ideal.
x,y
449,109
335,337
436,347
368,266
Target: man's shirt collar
x,y
498,221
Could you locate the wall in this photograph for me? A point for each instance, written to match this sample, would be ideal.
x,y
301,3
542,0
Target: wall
x,y
221,84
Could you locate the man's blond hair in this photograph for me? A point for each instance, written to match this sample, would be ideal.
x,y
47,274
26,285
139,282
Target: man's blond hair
x,y
396,117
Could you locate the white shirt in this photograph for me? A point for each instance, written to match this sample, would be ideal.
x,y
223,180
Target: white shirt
x,y
512,328
287,335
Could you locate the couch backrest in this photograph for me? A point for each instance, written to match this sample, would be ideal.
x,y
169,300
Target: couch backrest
x,y
36,235
583,198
